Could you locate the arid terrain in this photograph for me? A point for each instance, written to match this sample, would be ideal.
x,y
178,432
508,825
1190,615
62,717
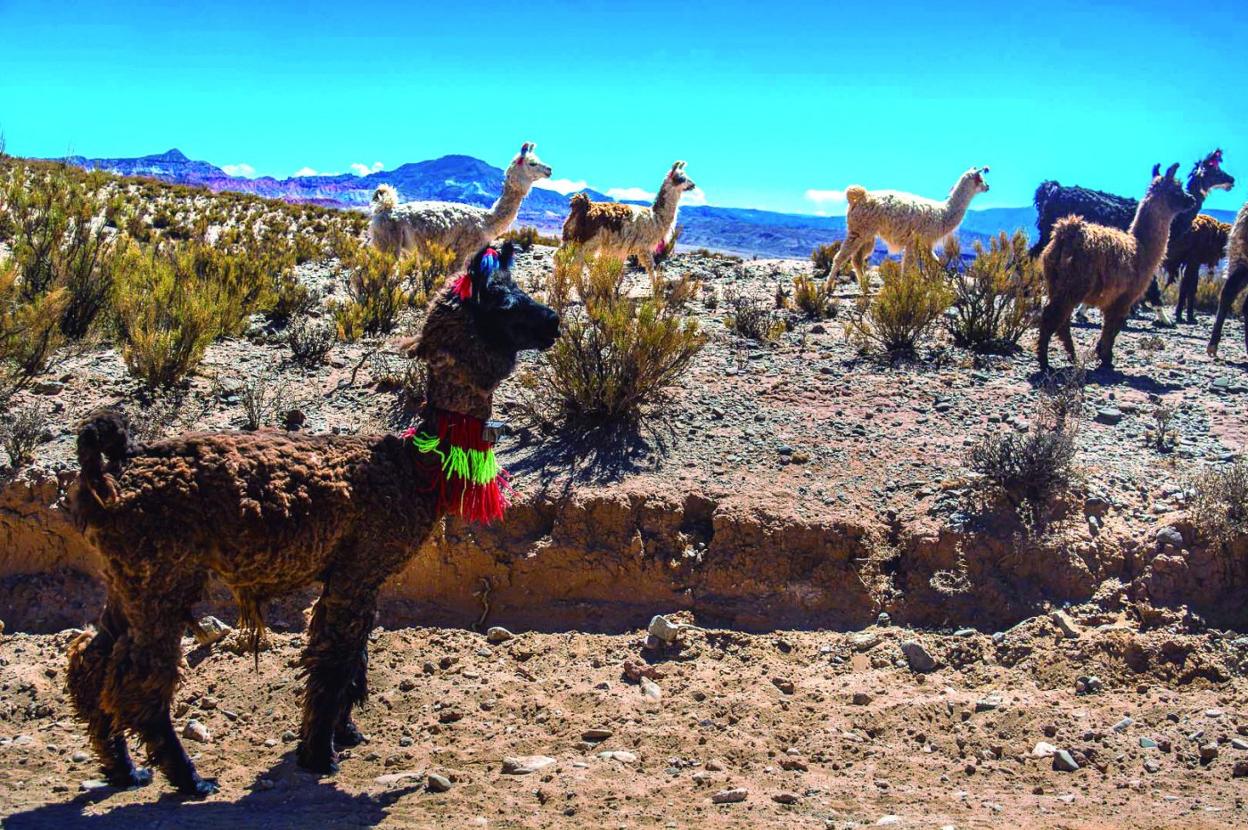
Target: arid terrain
x,y
812,508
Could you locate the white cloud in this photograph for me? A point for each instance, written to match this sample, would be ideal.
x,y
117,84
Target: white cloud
x,y
304,171
635,194
564,186
694,197
363,169
820,197
239,169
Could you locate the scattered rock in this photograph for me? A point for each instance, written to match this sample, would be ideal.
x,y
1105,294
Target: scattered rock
x,y
497,634
784,685
919,659
786,798
596,735
1110,416
1063,761
1065,624
621,755
1043,750
435,783
651,689
730,796
526,764
864,640
211,631
196,731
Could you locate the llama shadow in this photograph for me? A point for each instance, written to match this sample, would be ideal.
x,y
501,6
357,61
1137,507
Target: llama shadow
x,y
593,456
1102,377
298,801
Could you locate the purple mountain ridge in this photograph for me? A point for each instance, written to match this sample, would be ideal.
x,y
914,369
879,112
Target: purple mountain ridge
x,y
458,178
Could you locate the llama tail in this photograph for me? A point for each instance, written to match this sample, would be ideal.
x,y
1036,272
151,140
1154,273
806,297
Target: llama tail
x,y
385,198
854,194
1059,254
104,434
578,210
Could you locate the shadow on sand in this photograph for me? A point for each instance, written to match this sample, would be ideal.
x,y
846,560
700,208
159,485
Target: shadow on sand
x,y
298,801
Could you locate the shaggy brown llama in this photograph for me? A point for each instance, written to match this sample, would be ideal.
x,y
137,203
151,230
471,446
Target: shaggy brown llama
x,y
1202,246
1236,280
1105,267
271,512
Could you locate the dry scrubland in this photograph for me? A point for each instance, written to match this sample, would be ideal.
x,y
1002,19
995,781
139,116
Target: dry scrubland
x,y
817,472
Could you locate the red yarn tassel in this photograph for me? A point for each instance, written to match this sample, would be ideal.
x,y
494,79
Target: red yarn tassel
x,y
463,287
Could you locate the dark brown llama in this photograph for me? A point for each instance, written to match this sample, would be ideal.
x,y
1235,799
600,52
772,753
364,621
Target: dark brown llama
x,y
271,512
1236,279
1202,246
1105,267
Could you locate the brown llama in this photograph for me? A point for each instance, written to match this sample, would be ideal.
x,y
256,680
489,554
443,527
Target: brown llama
x,y
1201,247
1105,267
271,512
1236,280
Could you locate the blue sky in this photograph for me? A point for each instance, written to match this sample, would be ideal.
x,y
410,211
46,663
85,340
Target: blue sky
x,y
766,101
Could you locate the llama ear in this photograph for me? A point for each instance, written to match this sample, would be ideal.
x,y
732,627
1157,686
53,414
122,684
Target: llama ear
x,y
1156,170
484,265
1171,170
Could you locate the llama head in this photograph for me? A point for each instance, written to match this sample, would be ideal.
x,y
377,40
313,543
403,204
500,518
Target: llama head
x,y
474,330
1166,191
1207,174
526,168
677,179
976,177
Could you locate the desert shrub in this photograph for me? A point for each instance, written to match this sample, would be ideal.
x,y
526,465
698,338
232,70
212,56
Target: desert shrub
x,y
291,298
527,236
377,293
901,313
678,293
1030,467
813,298
1162,433
1219,504
750,318
20,432
29,329
822,258
425,269
310,342
617,358
264,398
168,312
996,297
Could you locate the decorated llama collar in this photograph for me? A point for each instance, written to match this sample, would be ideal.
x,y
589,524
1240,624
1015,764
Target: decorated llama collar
x,y
470,483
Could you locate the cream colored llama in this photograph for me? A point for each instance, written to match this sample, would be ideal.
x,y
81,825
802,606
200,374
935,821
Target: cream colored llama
x,y
465,229
903,220
620,231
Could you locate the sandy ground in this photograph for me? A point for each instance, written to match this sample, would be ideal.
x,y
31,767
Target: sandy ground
x,y
818,729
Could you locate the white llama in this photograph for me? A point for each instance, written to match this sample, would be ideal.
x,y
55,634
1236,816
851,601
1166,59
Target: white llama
x,y
903,220
465,229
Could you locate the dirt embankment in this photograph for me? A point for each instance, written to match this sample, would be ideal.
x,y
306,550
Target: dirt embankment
x,y
605,560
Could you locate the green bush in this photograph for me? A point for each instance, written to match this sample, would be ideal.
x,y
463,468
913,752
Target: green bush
x,y
527,236
1219,504
814,298
902,312
751,318
617,358
823,256
996,297
170,306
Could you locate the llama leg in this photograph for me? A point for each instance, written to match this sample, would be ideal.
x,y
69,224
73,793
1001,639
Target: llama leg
x,y
140,686
1055,316
1068,342
1187,291
337,639
1114,316
346,733
845,253
89,657
1235,282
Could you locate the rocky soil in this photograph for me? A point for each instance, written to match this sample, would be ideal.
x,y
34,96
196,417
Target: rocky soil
x,y
1059,722
794,492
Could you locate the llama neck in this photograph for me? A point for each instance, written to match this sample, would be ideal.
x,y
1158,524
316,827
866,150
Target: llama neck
x,y
1151,229
664,209
957,203
1183,222
504,211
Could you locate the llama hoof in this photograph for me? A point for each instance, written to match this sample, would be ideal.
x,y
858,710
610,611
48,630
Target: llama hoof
x,y
348,736
198,788
129,778
320,763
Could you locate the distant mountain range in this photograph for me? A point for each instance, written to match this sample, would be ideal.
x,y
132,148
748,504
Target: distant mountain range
x,y
472,181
